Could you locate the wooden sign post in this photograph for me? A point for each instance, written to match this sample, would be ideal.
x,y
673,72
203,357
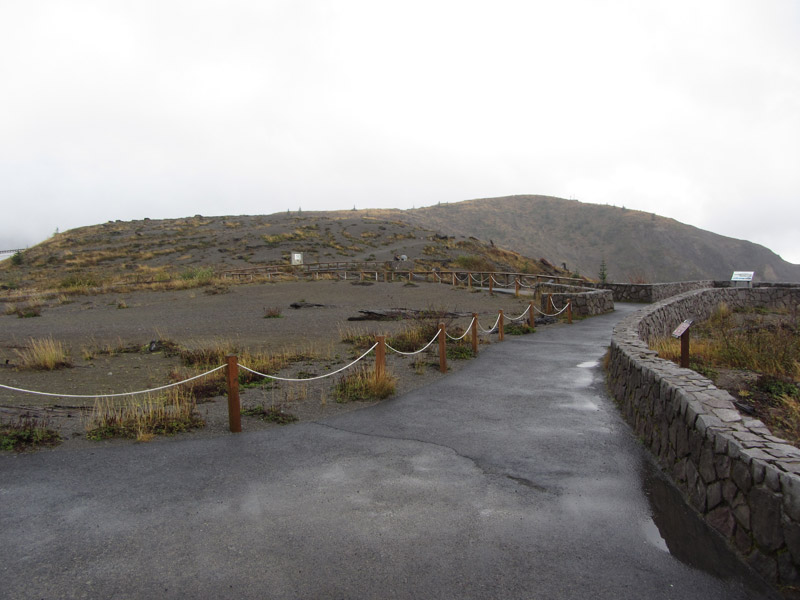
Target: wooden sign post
x,y
234,407
682,332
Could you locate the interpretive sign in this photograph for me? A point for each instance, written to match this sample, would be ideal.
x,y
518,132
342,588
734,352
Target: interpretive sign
x,y
297,258
681,329
743,275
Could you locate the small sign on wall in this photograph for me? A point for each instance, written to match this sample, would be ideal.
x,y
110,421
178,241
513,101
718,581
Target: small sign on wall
x,y
297,258
742,277
681,329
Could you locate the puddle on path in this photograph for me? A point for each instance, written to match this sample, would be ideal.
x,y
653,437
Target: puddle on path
x,y
589,365
677,529
581,405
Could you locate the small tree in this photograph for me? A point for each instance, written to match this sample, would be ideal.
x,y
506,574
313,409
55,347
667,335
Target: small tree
x,y
16,259
603,272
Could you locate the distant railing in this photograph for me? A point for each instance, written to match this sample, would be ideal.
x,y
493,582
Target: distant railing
x,y
12,251
391,271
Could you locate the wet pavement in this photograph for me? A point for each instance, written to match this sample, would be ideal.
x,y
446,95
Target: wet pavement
x,y
512,478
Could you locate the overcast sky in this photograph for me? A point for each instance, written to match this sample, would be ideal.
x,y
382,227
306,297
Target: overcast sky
x,y
131,109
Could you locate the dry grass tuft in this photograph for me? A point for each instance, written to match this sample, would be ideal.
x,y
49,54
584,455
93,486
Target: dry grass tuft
x,y
143,417
43,355
362,384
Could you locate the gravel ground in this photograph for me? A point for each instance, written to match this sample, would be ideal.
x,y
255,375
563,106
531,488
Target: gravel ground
x,y
195,318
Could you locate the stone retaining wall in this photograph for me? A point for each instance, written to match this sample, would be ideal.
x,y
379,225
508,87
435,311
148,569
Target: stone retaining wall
x,y
651,292
741,478
586,302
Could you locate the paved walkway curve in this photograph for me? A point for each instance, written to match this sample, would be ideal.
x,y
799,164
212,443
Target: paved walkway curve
x,y
512,478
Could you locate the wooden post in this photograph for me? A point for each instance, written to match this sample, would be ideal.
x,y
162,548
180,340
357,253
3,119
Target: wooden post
x,y
491,281
442,349
410,275
469,280
549,304
380,358
454,278
569,311
501,326
531,317
516,287
685,349
361,275
234,408
474,328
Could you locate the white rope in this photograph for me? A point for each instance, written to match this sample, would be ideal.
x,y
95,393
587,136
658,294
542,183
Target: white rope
x,y
551,315
311,378
163,387
537,309
498,283
522,315
465,280
493,327
418,351
456,339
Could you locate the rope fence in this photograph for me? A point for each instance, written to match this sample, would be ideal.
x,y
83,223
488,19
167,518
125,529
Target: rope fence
x,y
95,396
379,347
428,345
331,374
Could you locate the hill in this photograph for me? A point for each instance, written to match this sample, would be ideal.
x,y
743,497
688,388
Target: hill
x,y
152,250
636,246
476,234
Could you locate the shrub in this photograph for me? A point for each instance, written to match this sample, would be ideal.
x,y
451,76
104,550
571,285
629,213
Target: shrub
x,y
272,312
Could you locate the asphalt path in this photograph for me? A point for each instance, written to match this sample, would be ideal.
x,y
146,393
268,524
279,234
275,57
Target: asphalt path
x,y
513,478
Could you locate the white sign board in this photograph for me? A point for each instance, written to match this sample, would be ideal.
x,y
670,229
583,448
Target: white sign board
x,y
743,275
682,328
297,258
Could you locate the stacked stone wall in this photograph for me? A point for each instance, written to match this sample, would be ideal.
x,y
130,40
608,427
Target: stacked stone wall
x,y
742,479
586,302
652,292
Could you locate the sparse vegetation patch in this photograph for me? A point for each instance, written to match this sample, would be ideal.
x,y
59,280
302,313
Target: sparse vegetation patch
x,y
755,356
26,433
